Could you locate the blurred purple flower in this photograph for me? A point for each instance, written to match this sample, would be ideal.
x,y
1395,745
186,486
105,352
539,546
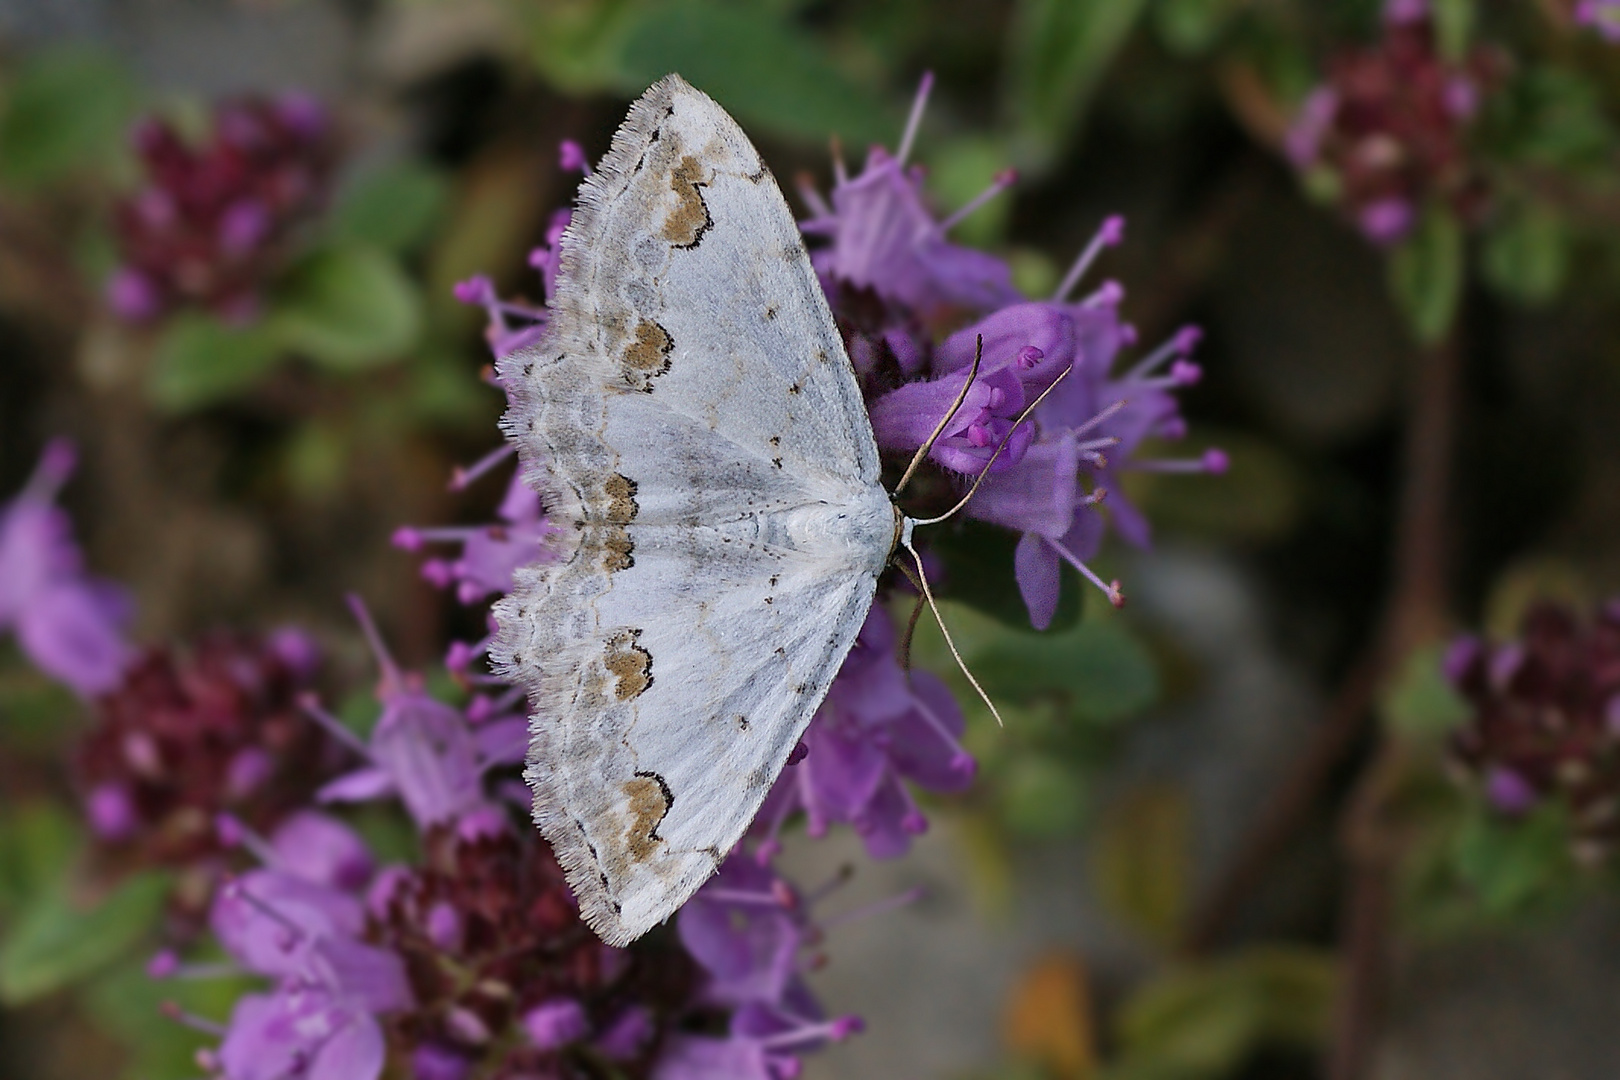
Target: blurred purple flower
x,y
213,222
1543,723
749,929
881,236
489,553
68,623
1390,126
420,749
877,728
1602,16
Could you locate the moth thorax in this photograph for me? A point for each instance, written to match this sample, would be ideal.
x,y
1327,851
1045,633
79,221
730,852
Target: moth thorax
x,y
859,531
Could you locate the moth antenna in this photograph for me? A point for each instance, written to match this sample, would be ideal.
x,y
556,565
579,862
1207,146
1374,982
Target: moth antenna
x,y
1002,445
928,444
911,623
928,594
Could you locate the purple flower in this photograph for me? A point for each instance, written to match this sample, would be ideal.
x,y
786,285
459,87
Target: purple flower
x,y
1091,425
69,624
303,1031
420,749
516,323
749,929
321,849
273,922
877,728
881,236
1602,16
490,554
555,1023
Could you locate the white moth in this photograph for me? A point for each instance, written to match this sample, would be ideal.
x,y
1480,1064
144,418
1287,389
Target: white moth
x,y
694,427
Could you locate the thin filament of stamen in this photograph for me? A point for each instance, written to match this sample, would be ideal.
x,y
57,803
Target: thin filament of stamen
x,y
1105,237
1002,182
950,644
877,907
1112,591
914,121
312,708
461,477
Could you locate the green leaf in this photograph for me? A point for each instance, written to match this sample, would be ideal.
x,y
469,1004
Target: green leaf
x,y
65,112
1453,26
1141,861
771,74
56,941
578,45
979,572
395,209
37,842
1097,669
127,1003
1426,275
1205,1021
1041,796
1527,254
1060,50
348,308
1516,867
1190,27
1421,703
200,361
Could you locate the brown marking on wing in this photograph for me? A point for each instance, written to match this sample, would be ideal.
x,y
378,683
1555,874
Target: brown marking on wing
x,y
629,664
647,355
650,800
617,549
621,493
690,219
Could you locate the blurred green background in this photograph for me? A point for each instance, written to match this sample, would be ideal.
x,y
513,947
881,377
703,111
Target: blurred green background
x,y
1108,900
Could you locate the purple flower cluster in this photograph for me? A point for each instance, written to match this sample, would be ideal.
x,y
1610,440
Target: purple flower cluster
x,y
1602,16
191,733
68,623
429,755
1390,126
476,962
1546,720
877,727
896,283
212,222
751,931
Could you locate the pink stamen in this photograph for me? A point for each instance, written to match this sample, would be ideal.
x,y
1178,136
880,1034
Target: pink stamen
x,y
877,907
234,832
478,289
1108,294
1004,179
173,1011
835,1030
571,157
1109,589
812,197
1181,343
1101,418
1029,356
1111,232
391,678
914,121
961,760
1186,373
311,707
461,477
293,932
